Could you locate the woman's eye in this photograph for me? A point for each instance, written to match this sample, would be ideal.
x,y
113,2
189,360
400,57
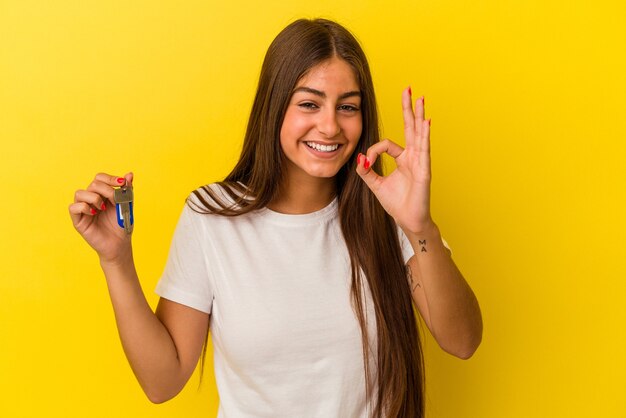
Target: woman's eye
x,y
348,108
308,105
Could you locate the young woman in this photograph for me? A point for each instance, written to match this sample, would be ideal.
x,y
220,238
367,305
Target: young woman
x,y
305,263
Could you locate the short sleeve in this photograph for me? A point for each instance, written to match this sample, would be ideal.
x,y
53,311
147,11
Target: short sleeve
x,y
186,278
407,250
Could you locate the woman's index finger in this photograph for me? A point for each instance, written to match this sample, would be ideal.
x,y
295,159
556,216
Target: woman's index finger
x,y
110,180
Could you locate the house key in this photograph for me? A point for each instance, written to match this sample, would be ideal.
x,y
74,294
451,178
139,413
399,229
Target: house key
x,y
124,208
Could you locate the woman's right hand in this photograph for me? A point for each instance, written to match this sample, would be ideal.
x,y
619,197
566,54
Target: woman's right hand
x,y
93,215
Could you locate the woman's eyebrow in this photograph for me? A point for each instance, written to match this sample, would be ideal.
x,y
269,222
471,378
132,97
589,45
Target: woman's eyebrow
x,y
323,95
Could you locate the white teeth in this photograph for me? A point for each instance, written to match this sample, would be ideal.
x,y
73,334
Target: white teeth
x,y
323,148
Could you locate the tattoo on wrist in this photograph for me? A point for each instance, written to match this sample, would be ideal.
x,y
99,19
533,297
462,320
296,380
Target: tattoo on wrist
x,y
423,244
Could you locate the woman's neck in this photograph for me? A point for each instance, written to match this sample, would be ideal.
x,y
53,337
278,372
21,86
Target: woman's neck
x,y
303,195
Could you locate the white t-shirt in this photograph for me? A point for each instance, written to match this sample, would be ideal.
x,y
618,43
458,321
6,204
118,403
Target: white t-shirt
x,y
286,340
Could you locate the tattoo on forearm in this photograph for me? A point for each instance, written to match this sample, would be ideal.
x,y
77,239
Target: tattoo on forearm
x,y
423,244
409,273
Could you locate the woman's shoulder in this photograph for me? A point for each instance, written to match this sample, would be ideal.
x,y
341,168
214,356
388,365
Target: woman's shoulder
x,y
218,197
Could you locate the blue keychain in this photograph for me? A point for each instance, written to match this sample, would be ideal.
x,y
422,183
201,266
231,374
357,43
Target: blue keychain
x,y
124,208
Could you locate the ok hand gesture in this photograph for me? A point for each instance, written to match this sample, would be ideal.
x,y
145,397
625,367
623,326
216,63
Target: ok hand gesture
x,y
404,193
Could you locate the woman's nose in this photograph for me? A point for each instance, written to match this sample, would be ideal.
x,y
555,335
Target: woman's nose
x,y
327,124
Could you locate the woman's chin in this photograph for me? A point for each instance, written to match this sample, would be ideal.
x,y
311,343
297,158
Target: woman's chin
x,y
323,172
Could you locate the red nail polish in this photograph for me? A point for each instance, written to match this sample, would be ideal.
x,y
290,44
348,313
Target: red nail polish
x,y
367,164
93,211
120,180
358,159
422,100
410,92
428,122
103,206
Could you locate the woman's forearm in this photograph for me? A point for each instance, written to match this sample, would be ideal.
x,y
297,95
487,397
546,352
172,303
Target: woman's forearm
x,y
454,314
148,345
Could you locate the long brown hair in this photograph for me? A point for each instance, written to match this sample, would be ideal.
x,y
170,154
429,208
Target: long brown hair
x,y
397,387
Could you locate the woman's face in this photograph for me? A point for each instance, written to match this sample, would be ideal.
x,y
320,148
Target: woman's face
x,y
323,122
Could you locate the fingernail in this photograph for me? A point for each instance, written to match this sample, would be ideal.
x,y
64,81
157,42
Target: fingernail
x,y
367,164
358,159
93,211
428,122
120,180
422,100
410,92
103,206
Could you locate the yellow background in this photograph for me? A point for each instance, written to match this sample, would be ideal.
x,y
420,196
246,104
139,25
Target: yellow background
x,y
528,133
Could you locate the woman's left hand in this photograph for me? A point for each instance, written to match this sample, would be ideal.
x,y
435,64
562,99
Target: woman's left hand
x,y
405,193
